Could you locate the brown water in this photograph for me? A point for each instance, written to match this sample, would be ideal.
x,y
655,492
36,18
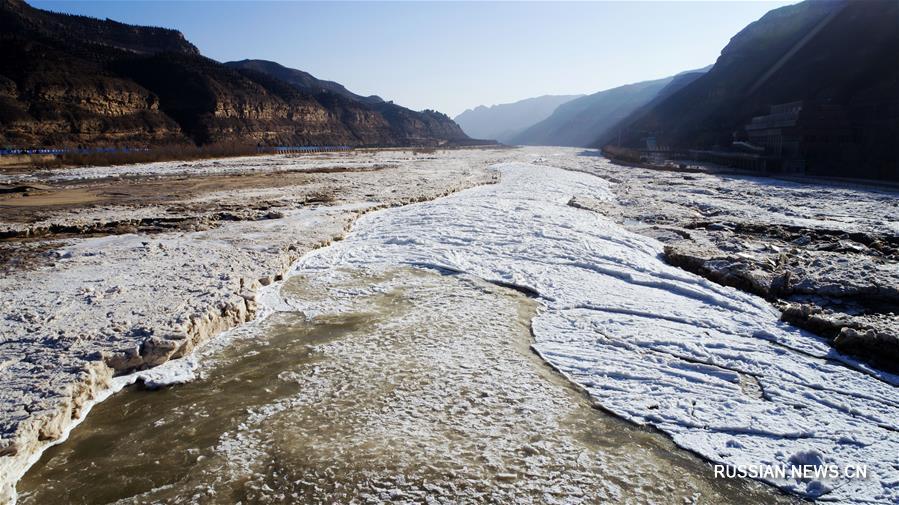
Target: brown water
x,y
406,386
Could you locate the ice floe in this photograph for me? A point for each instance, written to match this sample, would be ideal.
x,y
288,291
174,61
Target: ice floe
x,y
712,367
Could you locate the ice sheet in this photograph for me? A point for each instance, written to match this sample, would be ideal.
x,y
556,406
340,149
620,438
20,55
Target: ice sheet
x,y
712,367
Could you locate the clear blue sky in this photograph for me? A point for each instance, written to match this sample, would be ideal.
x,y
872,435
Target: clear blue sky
x,y
452,56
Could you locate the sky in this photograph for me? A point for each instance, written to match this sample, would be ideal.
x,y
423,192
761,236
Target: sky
x,y
452,56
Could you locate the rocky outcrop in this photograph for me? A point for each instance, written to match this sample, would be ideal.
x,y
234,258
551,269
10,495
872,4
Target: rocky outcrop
x,y
842,286
69,81
367,120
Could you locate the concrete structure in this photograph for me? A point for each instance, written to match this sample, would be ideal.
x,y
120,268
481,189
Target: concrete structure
x,y
804,135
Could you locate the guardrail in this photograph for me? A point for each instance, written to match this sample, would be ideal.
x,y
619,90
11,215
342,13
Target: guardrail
x,y
50,151
302,149
98,150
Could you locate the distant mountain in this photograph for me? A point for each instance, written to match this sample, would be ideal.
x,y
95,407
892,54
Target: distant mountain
x,y
502,122
831,65
303,81
580,122
614,133
73,80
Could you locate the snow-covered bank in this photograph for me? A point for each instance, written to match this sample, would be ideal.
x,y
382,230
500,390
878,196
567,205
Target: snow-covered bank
x,y
712,367
214,166
826,254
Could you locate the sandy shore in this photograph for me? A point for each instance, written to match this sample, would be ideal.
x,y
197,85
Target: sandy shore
x,y
156,259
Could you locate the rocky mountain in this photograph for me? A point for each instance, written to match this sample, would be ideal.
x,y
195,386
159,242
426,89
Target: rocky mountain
x,y
828,68
502,122
304,81
72,80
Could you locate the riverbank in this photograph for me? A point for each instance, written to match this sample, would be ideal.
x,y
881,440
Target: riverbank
x,y
164,259
824,252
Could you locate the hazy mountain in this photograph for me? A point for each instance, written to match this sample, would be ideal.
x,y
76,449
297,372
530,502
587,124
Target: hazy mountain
x,y
838,57
502,122
73,80
614,132
579,122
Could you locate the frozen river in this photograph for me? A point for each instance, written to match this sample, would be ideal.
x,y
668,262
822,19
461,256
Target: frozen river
x,y
396,367
712,367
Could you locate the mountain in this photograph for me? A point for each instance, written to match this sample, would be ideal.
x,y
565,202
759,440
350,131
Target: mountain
x,y
580,122
304,81
613,133
72,80
502,122
828,68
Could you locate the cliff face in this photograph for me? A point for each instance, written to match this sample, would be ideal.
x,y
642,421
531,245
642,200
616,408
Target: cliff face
x,y
369,120
56,91
833,55
71,81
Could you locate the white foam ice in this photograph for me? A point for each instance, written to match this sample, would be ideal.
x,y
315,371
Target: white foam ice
x,y
710,366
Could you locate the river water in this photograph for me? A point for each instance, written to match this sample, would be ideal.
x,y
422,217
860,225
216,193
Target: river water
x,y
385,384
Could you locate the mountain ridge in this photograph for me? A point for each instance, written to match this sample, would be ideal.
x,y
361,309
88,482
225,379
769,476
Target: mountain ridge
x,y
832,61
503,121
299,78
75,81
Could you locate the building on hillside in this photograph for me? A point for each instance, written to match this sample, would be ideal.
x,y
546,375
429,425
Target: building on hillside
x,y
777,132
803,136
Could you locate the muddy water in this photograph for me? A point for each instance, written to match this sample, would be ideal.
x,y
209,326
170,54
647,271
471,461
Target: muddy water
x,y
401,386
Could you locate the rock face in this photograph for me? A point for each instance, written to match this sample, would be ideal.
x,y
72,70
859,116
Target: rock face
x,y
71,80
369,120
504,121
837,57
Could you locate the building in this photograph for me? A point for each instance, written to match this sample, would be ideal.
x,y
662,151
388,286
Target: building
x,y
803,135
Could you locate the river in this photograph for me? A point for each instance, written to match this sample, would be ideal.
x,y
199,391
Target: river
x,y
399,365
